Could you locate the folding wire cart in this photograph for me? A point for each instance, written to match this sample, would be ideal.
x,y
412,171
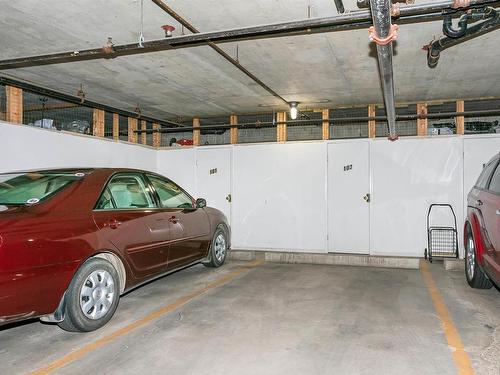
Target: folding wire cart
x,y
442,241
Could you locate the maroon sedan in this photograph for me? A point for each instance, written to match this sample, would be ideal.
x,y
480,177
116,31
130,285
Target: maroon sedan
x,y
482,229
73,240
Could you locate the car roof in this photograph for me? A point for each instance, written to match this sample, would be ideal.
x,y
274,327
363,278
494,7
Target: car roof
x,y
75,170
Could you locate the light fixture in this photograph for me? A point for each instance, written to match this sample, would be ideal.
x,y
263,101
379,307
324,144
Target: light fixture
x,y
293,110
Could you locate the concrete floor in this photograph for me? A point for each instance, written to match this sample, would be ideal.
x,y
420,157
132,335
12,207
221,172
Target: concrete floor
x,y
277,319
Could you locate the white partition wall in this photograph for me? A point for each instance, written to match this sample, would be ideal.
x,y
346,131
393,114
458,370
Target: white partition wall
x,y
180,166
293,196
26,147
279,197
408,176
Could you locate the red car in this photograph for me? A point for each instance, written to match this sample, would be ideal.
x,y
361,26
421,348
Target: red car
x,y
482,229
73,240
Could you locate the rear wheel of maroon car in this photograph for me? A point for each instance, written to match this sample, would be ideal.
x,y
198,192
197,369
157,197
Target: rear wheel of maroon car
x,y
92,297
218,248
473,272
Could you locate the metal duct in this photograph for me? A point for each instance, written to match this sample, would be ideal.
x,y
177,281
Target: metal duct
x,y
383,33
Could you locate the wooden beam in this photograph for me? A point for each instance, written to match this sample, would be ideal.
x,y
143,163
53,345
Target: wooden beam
x,y
422,122
281,128
157,135
372,125
196,132
325,128
116,126
98,123
14,104
233,120
132,127
460,120
144,137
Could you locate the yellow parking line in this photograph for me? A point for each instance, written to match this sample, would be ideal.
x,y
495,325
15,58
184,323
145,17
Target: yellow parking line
x,y
460,356
79,353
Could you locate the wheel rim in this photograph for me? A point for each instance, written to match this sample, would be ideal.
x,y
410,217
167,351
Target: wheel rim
x,y
97,294
471,257
220,247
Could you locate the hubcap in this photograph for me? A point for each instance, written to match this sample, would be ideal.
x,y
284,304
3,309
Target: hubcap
x,y
220,247
97,294
471,258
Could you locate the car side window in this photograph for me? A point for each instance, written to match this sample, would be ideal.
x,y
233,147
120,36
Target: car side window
x,y
171,195
482,181
126,191
495,181
105,202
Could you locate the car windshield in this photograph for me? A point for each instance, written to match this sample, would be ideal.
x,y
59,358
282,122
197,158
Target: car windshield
x,y
33,187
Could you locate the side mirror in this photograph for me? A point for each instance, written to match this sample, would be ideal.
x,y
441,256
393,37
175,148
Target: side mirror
x,y
200,203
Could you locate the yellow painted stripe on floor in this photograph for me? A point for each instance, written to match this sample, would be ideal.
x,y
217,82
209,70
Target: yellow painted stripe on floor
x,y
79,353
460,356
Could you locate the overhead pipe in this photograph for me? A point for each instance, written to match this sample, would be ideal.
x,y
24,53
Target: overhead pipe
x,y
435,48
383,33
217,49
334,120
353,20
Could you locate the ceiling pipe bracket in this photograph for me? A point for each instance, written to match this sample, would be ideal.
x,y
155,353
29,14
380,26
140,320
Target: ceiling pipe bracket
x,y
393,35
460,4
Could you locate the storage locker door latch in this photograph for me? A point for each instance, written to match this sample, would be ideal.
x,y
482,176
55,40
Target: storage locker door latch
x,y
228,198
367,198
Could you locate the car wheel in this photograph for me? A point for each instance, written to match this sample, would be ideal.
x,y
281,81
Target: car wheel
x,y
218,249
92,297
473,272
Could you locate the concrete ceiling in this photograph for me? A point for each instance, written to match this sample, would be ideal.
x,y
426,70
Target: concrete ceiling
x,y
336,68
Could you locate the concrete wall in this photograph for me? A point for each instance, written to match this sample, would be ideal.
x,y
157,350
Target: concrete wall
x,y
25,147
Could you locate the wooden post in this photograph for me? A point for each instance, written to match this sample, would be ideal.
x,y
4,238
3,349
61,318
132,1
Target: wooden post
x,y
460,120
132,127
372,125
14,104
233,120
422,122
156,135
325,127
116,126
278,126
281,128
196,131
144,136
98,122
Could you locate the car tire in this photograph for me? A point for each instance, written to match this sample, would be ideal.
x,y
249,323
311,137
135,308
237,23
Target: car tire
x,y
218,248
92,297
473,272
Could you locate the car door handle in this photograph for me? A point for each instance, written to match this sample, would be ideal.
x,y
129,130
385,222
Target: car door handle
x,y
173,219
479,202
113,224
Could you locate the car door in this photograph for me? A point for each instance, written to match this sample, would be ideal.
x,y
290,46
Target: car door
x,y
189,226
490,209
129,217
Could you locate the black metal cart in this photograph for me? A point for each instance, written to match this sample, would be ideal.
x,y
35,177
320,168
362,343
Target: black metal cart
x,y
442,241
